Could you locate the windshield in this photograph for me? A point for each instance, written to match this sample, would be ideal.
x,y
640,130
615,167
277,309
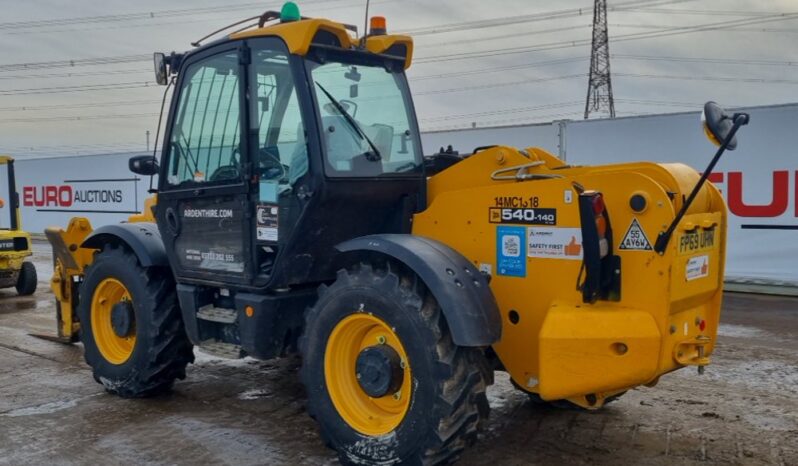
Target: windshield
x,y
366,121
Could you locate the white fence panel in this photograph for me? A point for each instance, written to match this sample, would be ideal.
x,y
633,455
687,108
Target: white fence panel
x,y
759,179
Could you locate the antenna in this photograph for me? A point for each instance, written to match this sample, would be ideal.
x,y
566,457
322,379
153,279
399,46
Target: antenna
x,y
599,86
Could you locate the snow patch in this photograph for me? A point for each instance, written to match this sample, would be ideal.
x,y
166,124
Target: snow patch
x,y
741,331
502,392
201,357
765,375
46,408
381,449
253,394
770,421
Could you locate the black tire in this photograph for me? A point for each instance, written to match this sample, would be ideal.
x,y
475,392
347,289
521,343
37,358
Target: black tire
x,y
162,350
448,401
27,280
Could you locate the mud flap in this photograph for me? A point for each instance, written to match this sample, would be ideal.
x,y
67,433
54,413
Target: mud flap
x,y
595,350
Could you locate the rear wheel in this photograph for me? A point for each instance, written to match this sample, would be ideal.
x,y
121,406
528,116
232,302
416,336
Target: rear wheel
x,y
384,380
27,280
131,326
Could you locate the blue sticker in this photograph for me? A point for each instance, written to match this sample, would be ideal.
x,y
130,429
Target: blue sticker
x,y
511,251
268,191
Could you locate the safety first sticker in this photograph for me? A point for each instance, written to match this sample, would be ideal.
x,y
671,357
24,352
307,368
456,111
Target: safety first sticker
x,y
635,238
554,243
510,251
697,267
267,222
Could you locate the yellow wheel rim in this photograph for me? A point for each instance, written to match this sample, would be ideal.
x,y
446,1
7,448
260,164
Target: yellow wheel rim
x,y
367,415
114,349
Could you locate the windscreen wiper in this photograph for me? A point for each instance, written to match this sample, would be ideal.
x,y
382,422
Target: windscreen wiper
x,y
376,156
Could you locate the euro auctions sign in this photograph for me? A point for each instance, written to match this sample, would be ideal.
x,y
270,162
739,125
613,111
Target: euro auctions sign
x,y
776,194
87,195
54,190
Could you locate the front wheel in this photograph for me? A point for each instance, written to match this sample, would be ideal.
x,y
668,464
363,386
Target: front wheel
x,y
27,280
130,325
384,379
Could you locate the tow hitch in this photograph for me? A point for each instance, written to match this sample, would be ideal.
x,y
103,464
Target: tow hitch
x,y
693,352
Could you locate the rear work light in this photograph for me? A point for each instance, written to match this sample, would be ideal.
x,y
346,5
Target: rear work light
x,y
599,277
598,204
600,217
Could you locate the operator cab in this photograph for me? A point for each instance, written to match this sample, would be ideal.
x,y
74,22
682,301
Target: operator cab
x,y
276,150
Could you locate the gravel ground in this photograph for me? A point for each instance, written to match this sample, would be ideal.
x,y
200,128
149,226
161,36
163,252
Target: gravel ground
x,y
744,410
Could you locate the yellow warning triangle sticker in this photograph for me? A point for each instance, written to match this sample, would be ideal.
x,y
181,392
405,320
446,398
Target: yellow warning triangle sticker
x,y
635,238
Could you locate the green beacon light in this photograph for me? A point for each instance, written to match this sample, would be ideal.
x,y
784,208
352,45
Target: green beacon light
x,y
289,12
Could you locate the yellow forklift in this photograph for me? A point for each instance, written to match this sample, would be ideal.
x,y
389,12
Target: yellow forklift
x,y
15,243
295,211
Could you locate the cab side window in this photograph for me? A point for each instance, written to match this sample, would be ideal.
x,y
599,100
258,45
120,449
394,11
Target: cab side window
x,y
205,144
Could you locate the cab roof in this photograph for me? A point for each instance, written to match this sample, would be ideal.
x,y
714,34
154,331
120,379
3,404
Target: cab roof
x,y
299,35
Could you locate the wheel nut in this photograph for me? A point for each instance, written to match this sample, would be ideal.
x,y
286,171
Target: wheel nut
x,y
403,364
397,396
381,339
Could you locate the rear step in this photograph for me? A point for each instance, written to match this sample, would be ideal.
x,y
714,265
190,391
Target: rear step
x,y
217,314
221,349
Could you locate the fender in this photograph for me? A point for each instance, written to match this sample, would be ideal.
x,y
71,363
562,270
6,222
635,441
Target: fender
x,y
461,290
142,238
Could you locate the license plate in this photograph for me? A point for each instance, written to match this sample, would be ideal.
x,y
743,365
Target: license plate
x,y
697,240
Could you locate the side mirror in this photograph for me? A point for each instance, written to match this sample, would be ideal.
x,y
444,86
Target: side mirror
x,y
143,165
161,75
721,129
717,125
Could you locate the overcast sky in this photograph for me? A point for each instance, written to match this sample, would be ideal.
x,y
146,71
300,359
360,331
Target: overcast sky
x,y
531,70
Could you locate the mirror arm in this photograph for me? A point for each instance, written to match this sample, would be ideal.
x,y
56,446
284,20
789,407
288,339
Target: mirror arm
x,y
740,119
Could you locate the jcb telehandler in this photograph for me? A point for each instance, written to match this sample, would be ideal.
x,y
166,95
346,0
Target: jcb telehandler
x,y
295,211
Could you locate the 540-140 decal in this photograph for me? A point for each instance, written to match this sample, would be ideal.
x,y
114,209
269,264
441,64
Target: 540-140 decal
x,y
525,216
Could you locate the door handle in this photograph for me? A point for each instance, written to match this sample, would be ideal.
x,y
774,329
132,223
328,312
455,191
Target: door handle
x,y
172,221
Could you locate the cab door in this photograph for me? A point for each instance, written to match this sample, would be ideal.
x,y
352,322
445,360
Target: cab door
x,y
203,209
280,148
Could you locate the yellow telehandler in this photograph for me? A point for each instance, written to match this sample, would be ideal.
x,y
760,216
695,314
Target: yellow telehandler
x,y
15,244
296,212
